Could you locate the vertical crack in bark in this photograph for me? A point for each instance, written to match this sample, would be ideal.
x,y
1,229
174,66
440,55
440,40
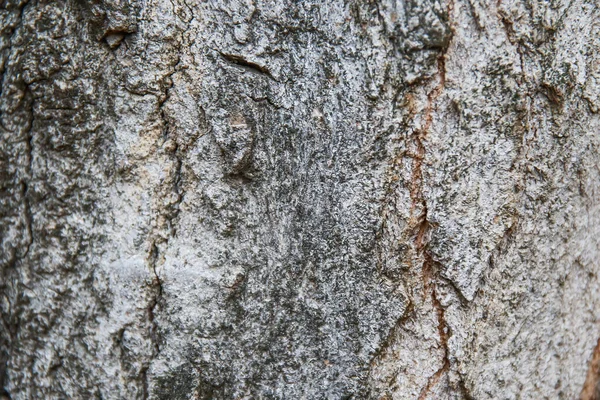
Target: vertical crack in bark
x,y
466,394
11,321
155,260
429,277
156,294
430,272
156,291
591,387
24,185
420,225
168,212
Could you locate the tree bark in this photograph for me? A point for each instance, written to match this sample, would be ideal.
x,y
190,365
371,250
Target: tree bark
x,y
366,199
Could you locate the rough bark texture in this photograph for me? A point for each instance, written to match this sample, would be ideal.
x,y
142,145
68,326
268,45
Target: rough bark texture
x,y
367,199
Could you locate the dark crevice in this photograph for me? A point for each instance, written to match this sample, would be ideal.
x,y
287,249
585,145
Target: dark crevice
x,y
523,117
114,38
24,185
144,379
157,291
156,287
466,394
265,99
5,394
248,65
28,217
123,32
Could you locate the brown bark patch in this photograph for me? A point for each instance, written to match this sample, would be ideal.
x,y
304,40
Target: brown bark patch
x,y
591,387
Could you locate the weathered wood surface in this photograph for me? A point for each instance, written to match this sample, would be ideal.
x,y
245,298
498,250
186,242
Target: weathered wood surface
x,y
300,200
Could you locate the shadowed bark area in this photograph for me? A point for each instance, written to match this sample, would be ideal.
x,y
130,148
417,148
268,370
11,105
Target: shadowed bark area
x,y
387,199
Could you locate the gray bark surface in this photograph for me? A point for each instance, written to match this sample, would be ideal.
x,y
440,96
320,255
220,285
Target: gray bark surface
x,y
347,199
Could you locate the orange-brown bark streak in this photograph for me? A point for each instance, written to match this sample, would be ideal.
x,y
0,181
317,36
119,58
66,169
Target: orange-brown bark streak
x,y
591,387
417,196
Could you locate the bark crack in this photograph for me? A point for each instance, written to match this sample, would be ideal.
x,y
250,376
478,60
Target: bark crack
x,y
430,271
246,64
169,212
24,185
157,289
429,276
419,225
11,321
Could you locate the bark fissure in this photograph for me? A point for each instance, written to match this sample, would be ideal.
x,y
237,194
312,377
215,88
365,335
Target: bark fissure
x,y
430,273
242,62
25,186
170,211
429,276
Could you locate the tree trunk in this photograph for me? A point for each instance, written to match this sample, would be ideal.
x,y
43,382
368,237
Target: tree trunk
x,y
324,199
